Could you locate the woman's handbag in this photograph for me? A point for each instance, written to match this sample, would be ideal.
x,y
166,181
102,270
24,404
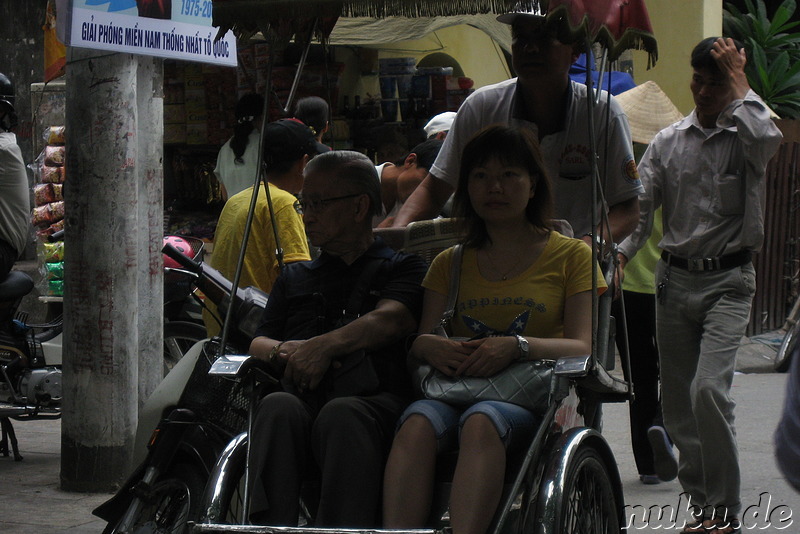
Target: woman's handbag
x,y
528,383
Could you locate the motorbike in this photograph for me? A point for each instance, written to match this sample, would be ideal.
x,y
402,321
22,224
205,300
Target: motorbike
x,y
30,363
188,420
183,306
31,354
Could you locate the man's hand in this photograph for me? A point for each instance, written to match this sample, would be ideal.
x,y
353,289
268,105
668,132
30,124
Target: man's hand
x,y
306,362
731,63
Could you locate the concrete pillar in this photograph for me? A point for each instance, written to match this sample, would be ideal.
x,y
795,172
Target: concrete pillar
x,y
150,174
107,263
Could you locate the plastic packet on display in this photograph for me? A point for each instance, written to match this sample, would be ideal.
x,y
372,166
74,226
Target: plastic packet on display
x,y
54,156
43,194
56,226
54,135
54,252
54,270
52,175
42,215
55,288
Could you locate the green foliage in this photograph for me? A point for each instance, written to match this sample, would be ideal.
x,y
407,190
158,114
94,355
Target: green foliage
x,y
773,51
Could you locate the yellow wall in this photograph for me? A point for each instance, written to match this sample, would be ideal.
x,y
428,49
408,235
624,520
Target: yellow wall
x,y
479,56
678,26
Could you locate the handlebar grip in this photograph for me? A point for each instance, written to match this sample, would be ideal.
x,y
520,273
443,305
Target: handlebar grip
x,y
181,258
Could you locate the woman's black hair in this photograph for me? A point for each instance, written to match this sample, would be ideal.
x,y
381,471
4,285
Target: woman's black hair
x,y
511,146
248,108
314,112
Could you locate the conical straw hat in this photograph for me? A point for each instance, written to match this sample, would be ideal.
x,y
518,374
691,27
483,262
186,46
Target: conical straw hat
x,y
649,110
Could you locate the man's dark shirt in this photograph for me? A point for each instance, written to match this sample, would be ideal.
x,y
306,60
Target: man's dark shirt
x,y
309,299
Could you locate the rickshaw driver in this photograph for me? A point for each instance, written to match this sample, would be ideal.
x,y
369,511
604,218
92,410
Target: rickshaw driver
x,y
544,99
345,382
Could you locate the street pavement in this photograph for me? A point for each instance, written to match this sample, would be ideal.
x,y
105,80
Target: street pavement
x,y
32,503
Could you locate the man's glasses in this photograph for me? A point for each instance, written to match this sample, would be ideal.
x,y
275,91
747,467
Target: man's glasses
x,y
317,205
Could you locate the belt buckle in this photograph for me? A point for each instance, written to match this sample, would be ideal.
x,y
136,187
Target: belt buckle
x,y
695,264
704,264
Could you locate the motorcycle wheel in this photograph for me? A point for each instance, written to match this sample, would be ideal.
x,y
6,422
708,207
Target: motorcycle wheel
x,y
179,337
172,503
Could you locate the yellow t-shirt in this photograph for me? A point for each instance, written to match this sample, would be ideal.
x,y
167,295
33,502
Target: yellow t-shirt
x,y
640,271
260,264
530,304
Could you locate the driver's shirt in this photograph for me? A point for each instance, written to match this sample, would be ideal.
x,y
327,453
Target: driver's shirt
x,y
566,153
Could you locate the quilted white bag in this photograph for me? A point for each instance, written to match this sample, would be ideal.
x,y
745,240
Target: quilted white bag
x,y
527,383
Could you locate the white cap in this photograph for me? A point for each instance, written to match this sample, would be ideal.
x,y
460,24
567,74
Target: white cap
x,y
440,123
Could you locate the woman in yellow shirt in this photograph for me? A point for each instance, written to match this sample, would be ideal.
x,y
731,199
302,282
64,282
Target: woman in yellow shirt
x,y
524,293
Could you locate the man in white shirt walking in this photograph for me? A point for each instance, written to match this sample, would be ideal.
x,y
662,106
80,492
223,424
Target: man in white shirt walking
x,y
707,171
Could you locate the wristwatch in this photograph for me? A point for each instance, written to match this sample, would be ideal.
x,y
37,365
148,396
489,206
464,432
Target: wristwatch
x,y
522,344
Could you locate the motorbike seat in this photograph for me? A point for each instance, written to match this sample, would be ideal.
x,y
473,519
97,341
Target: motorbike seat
x,y
14,286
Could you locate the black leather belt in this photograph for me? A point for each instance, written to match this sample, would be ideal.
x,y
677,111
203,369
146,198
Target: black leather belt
x,y
717,263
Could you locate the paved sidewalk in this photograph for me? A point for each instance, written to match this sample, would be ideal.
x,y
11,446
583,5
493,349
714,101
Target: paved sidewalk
x,y
32,502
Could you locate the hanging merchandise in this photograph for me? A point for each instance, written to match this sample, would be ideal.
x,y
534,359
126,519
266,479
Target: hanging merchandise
x,y
48,212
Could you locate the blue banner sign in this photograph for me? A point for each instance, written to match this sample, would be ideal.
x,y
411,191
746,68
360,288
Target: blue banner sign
x,y
176,29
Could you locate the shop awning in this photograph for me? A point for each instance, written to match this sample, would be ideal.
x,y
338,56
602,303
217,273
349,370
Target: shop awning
x,y
617,24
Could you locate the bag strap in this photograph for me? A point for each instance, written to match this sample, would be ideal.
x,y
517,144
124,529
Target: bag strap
x,y
452,292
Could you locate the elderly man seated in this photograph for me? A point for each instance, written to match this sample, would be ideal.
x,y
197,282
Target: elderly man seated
x,y
337,324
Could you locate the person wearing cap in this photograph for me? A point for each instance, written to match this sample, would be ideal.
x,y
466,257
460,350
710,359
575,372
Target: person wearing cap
x,y
289,144
14,188
708,173
238,157
337,325
399,180
545,100
439,125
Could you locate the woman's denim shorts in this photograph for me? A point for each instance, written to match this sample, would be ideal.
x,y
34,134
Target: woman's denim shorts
x,y
515,425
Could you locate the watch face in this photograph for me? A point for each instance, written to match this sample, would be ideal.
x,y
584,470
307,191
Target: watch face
x,y
523,346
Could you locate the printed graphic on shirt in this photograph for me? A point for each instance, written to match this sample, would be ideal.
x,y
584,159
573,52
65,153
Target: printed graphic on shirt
x,y
471,304
575,162
630,172
481,329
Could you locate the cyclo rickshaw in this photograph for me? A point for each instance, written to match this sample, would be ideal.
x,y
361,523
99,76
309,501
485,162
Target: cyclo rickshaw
x,y
567,480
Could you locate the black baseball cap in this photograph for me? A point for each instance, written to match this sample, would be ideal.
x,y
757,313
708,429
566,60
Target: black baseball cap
x,y
289,140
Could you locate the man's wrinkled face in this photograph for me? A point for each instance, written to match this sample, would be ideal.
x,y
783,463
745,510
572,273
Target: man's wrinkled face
x,y
536,50
328,209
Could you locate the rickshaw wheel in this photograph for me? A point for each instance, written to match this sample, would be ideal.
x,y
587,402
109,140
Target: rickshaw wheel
x,y
589,506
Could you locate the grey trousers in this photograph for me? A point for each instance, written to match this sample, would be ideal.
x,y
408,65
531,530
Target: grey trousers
x,y
700,320
344,446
